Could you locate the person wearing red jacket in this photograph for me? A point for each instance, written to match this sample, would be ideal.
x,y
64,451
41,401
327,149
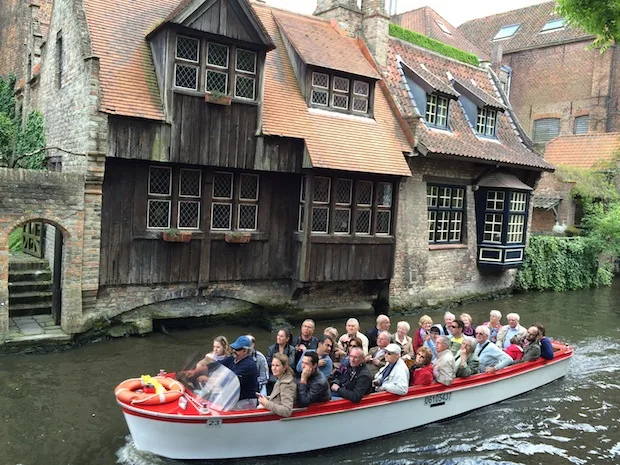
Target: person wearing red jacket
x,y
422,369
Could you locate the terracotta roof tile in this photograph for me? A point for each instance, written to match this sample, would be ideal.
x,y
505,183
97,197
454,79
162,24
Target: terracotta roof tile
x,y
480,94
460,141
127,74
320,44
433,81
427,21
532,19
333,141
583,150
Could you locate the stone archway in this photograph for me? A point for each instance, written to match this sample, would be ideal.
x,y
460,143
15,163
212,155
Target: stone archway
x,y
49,197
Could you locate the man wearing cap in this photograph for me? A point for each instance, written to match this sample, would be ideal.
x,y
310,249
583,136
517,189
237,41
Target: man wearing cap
x,y
242,365
393,377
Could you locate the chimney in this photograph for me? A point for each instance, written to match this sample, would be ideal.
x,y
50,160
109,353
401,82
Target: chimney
x,y
346,13
497,52
376,28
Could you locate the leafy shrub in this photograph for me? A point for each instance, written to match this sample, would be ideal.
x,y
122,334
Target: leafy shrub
x,y
15,240
432,44
561,264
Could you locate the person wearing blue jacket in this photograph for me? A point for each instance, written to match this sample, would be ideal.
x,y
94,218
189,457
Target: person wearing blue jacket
x,y
491,358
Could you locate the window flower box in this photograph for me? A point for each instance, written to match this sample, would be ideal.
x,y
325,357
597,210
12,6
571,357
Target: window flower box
x,y
237,237
218,99
174,235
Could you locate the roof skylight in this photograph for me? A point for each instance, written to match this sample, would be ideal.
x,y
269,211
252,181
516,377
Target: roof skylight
x,y
443,27
506,31
554,24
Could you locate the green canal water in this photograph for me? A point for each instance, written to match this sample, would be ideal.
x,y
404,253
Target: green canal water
x,y
59,408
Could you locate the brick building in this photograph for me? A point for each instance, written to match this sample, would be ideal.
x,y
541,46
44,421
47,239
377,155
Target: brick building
x,y
557,86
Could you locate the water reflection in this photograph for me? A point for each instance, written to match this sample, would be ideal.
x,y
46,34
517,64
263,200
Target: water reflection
x,y
64,402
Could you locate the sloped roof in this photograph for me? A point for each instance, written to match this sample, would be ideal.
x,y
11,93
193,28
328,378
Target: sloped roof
x,y
583,150
507,149
318,43
333,141
432,81
479,94
503,180
532,19
428,22
127,74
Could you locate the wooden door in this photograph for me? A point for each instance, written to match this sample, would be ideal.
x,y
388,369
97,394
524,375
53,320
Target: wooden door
x,y
32,235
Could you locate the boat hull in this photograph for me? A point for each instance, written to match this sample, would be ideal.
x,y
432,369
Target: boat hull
x,y
330,424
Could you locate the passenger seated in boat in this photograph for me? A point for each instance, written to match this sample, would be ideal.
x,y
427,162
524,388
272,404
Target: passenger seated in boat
x,y
313,385
444,367
403,340
456,336
466,360
490,356
448,319
546,349
355,381
468,330
221,350
425,322
337,353
282,397
531,349
494,324
284,338
355,342
421,372
383,324
393,377
323,350
376,356
353,330
515,349
431,336
305,340
261,366
244,366
513,328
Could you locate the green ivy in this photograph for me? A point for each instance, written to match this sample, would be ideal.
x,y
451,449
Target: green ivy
x,y
561,264
17,140
15,240
432,44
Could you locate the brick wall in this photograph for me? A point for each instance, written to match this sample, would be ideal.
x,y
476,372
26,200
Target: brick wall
x,y
13,33
54,198
424,277
562,81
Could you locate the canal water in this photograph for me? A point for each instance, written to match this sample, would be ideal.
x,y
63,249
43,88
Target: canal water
x,y
59,409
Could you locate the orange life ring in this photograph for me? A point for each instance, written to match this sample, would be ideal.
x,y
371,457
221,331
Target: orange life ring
x,y
126,392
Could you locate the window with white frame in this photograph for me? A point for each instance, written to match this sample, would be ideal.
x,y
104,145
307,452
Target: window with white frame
x,y
235,202
493,227
502,205
436,111
516,220
216,68
340,93
159,208
335,199
486,122
446,209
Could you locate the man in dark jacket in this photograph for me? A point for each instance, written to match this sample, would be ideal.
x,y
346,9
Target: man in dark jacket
x,y
244,366
313,385
355,381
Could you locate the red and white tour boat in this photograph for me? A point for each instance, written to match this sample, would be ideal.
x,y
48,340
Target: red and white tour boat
x,y
185,429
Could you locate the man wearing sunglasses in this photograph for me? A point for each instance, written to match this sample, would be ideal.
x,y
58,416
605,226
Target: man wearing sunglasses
x,y
244,366
456,339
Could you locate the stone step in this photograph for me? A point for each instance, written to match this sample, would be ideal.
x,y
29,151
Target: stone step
x,y
30,286
30,297
30,309
29,275
24,265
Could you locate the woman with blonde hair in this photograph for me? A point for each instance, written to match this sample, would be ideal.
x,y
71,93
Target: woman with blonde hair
x,y
282,397
425,324
468,330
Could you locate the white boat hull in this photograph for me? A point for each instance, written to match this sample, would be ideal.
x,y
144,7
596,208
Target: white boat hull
x,y
261,434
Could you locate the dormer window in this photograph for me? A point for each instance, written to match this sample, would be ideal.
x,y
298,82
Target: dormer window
x,y
217,72
436,111
486,122
340,93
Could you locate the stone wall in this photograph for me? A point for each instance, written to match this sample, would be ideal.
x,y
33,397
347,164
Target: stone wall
x,y
431,275
563,81
551,186
13,32
54,198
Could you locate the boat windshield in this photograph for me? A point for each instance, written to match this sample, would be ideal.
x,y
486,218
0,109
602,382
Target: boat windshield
x,y
215,386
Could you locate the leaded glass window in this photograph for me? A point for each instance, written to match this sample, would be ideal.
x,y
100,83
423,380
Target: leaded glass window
x,y
436,111
446,210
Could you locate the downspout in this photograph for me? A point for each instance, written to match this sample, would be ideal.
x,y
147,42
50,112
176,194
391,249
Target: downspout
x,y
612,87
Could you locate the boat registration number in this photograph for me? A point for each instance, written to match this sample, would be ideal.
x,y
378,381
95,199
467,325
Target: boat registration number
x,y
214,423
437,399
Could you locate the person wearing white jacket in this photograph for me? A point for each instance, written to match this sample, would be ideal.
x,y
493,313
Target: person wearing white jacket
x,y
393,377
